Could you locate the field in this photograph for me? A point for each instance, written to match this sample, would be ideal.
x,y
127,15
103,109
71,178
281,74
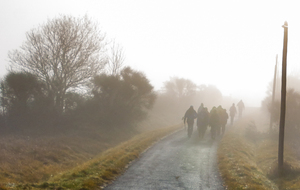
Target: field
x,y
87,157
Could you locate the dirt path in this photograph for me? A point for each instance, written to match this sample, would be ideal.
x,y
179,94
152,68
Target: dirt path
x,y
176,162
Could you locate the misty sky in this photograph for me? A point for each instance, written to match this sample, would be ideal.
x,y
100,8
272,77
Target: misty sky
x,y
230,44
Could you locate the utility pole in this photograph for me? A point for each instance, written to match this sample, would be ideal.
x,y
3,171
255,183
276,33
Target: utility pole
x,y
273,95
283,101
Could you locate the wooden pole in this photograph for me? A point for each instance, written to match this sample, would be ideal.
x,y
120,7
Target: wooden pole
x,y
273,95
283,101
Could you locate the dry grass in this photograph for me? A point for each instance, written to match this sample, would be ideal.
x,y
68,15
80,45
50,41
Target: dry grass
x,y
111,163
26,160
31,160
268,162
237,161
248,164
100,170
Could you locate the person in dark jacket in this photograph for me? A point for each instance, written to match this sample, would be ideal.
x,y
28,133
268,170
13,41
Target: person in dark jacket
x,y
202,121
219,112
232,112
200,108
214,122
241,107
223,120
189,117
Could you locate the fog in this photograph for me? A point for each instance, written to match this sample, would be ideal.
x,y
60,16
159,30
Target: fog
x,y
169,55
231,45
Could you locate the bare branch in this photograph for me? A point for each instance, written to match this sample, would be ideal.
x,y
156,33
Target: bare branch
x,y
116,59
66,52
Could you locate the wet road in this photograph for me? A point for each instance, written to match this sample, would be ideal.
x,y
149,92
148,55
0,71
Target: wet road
x,y
176,162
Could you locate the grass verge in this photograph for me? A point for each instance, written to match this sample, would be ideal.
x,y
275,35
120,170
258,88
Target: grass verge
x,y
268,161
249,161
104,168
237,161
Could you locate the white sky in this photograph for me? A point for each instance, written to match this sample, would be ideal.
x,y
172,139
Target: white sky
x,y
230,44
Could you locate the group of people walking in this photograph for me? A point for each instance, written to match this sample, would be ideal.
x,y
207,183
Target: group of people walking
x,y
216,119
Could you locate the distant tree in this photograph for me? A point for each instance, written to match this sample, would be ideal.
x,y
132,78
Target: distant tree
x,y
293,86
19,91
293,110
180,88
115,59
73,101
123,99
65,53
210,95
293,83
180,93
24,100
292,120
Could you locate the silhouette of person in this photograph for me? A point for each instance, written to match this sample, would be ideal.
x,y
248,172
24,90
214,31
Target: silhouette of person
x,y
200,108
214,122
241,107
232,112
189,117
202,121
223,119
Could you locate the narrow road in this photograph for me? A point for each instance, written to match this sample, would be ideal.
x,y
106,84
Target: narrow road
x,y
176,162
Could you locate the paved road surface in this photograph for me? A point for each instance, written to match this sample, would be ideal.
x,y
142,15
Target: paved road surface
x,y
175,162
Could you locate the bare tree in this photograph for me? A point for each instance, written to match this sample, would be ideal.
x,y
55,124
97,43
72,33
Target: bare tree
x,y
65,53
180,87
115,59
210,95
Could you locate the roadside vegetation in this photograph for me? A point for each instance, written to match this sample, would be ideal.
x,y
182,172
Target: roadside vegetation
x,y
103,168
248,155
237,158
